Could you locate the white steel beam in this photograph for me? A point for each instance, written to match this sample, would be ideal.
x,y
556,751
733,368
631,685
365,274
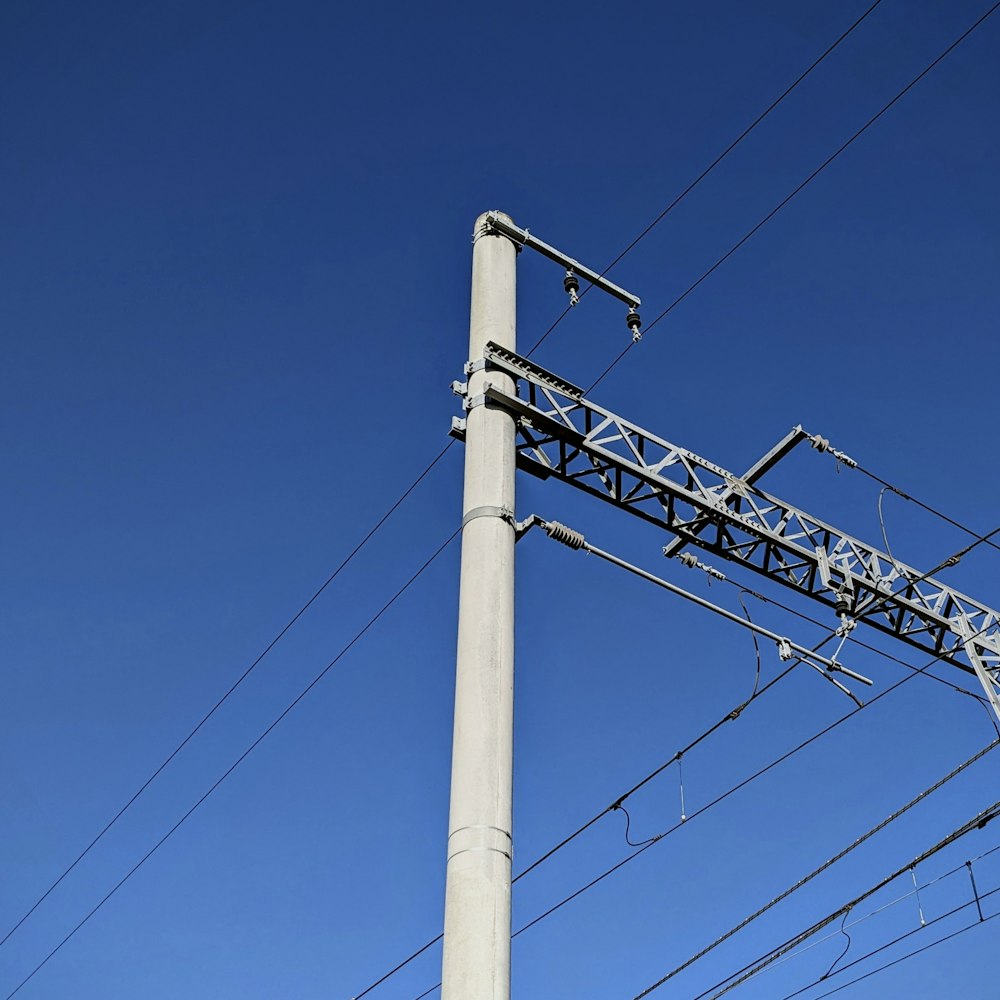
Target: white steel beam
x,y
502,224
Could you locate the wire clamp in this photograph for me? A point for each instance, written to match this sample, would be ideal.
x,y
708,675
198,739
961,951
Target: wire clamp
x,y
785,649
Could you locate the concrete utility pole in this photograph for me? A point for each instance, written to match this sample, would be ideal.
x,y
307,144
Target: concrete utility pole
x,y
476,964
520,413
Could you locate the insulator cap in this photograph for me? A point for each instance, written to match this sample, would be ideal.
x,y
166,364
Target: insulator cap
x,y
633,320
842,606
570,282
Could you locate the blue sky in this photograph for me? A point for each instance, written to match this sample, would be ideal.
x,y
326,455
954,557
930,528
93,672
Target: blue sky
x,y
235,266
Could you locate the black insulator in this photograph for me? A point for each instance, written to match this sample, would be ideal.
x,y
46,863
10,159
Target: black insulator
x,y
570,282
842,606
633,320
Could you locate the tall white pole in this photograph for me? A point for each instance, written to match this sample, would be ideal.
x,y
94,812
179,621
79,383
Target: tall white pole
x,y
476,964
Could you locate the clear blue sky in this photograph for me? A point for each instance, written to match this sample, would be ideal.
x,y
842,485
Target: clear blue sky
x,y
234,266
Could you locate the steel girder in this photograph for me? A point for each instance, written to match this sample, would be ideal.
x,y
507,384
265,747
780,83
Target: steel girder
x,y
564,435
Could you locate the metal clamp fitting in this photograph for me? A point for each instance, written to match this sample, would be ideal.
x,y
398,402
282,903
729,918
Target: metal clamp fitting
x,y
504,513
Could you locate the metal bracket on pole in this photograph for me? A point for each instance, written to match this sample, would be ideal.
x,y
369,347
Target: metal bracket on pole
x,y
522,238
521,528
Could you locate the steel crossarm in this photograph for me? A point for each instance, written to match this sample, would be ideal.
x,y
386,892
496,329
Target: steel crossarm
x,y
562,434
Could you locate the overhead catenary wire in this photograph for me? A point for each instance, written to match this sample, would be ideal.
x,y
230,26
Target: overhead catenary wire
x,y
580,543
822,445
774,211
731,791
239,760
840,855
976,901
737,787
979,539
902,958
729,716
232,689
645,845
707,170
718,800
730,982
878,910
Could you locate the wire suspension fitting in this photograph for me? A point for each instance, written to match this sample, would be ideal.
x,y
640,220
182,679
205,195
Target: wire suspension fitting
x,y
634,322
975,890
572,286
916,893
680,781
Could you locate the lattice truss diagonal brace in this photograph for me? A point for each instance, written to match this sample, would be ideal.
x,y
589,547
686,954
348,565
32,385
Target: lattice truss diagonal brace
x,y
564,435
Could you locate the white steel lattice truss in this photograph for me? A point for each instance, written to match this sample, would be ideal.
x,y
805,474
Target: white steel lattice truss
x,y
562,434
